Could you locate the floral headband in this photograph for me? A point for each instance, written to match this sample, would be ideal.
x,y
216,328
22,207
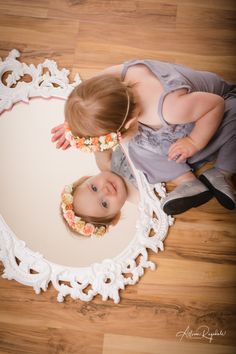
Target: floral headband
x,y
75,222
92,144
96,143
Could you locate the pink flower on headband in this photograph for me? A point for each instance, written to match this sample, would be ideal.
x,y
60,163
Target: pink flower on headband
x,y
95,140
88,229
79,144
69,215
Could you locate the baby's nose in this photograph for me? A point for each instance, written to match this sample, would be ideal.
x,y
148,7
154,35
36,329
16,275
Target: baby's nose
x,y
108,189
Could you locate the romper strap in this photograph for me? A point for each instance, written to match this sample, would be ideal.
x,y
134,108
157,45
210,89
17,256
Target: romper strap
x,y
160,108
161,101
127,64
124,70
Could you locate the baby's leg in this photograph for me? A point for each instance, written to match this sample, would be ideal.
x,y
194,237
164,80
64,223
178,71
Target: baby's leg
x,y
189,193
226,159
186,177
218,179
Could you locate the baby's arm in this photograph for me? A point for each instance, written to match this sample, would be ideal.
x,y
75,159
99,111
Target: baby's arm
x,y
205,109
103,159
114,70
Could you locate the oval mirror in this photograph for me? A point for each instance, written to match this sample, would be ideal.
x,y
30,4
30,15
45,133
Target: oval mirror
x,y
35,246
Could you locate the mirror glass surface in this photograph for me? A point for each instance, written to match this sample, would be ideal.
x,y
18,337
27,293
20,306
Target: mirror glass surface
x,y
32,175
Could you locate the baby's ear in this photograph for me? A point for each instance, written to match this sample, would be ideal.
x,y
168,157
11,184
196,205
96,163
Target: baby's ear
x,y
116,219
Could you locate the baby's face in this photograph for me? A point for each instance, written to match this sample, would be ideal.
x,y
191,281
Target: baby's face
x,y
102,195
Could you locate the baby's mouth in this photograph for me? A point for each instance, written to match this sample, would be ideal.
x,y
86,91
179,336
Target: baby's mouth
x,y
114,186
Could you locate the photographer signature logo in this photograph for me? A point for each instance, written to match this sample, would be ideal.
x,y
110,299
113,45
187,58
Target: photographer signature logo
x,y
202,332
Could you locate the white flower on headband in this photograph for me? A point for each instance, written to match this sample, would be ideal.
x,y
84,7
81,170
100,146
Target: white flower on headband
x,y
102,139
74,221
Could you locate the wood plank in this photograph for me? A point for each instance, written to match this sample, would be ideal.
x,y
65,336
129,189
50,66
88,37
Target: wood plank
x,y
117,344
24,8
40,31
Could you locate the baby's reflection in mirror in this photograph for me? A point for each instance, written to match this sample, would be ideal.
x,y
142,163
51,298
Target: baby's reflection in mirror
x,y
93,203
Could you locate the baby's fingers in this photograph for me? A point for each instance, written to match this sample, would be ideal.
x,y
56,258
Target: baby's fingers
x,y
172,148
57,135
181,158
66,145
61,141
174,152
58,127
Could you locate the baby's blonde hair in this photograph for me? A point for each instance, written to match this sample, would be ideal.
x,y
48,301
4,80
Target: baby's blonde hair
x,y
98,106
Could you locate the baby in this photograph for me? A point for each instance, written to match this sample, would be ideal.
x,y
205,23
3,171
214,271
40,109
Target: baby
x,y
175,120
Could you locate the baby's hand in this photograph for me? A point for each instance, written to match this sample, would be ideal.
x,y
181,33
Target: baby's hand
x,y
182,149
59,136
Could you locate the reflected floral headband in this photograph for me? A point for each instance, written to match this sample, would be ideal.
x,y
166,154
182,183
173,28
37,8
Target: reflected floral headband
x,y
75,222
96,143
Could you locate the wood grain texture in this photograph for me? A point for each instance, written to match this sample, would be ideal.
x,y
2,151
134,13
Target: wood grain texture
x,y
194,284
116,344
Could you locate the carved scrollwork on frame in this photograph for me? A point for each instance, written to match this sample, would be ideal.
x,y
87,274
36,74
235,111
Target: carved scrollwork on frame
x,y
30,268
46,80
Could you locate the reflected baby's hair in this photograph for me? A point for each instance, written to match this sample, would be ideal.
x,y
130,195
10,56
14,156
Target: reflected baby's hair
x,y
84,225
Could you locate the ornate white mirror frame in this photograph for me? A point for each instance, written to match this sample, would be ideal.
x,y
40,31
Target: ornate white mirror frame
x,y
31,268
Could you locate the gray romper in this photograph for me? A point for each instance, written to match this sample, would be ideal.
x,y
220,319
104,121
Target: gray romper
x,y
120,165
149,148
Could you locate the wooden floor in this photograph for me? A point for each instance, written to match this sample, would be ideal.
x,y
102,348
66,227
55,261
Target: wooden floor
x,y
194,284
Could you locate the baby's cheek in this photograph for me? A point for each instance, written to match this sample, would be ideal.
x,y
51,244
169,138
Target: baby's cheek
x,y
122,200
114,204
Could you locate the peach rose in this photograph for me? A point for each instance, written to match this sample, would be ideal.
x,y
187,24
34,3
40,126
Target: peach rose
x,y
95,140
71,224
80,142
88,229
108,138
69,215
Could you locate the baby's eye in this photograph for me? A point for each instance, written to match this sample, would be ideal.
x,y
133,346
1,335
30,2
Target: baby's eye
x,y
105,204
94,188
